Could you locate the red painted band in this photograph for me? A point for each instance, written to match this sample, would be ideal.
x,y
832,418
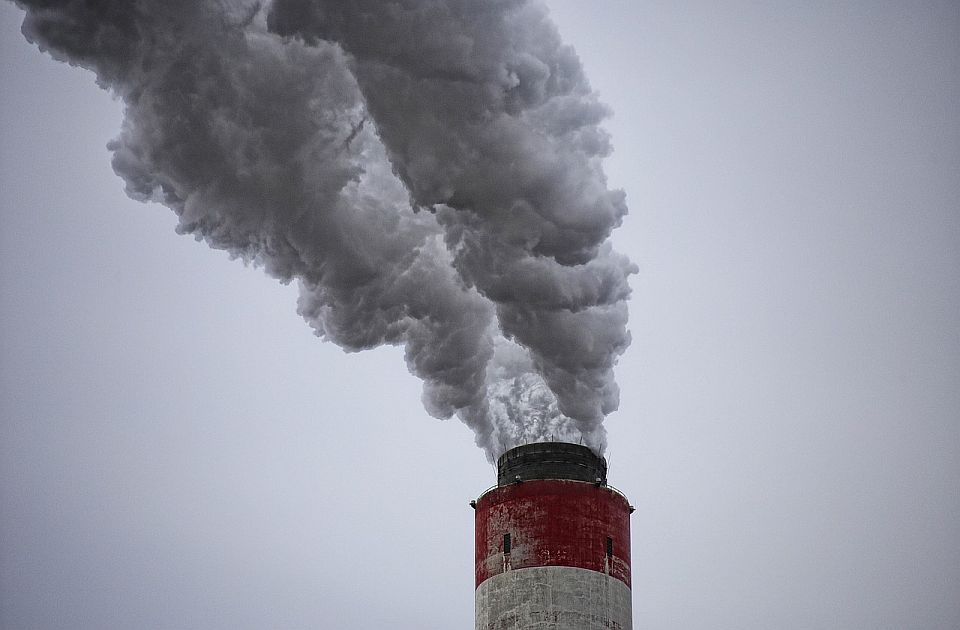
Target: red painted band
x,y
553,523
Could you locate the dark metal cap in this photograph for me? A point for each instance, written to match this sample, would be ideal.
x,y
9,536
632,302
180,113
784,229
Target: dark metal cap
x,y
551,460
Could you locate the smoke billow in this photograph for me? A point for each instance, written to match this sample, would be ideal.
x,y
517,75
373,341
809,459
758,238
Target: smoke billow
x,y
428,171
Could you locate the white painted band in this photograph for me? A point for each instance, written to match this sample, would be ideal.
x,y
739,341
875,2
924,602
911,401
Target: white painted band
x,y
559,598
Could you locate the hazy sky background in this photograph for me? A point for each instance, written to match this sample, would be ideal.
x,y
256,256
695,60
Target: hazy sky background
x,y
178,451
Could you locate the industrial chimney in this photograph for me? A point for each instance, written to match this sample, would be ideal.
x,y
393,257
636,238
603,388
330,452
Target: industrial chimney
x,y
552,543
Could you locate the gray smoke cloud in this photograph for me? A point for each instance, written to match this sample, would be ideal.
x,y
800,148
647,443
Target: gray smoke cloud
x,y
428,172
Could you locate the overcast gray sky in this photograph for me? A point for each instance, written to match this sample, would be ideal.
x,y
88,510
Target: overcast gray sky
x,y
178,451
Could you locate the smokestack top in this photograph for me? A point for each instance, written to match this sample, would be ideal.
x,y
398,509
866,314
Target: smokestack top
x,y
551,460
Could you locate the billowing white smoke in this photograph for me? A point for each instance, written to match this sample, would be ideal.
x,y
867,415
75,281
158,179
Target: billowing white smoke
x,y
428,171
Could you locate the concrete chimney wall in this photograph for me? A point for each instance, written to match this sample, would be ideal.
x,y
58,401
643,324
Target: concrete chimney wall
x,y
552,543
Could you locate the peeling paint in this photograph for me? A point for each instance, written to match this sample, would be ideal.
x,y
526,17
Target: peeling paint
x,y
553,522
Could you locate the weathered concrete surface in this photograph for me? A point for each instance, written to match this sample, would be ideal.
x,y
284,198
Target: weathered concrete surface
x,y
553,523
551,460
554,598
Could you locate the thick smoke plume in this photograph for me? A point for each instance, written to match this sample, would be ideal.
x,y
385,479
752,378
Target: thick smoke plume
x,y
428,171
